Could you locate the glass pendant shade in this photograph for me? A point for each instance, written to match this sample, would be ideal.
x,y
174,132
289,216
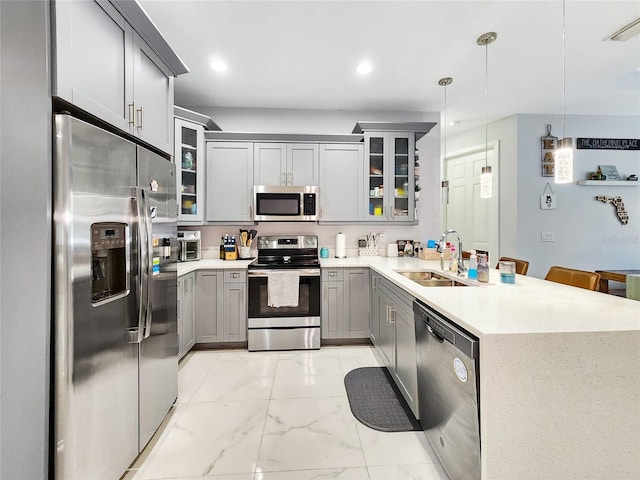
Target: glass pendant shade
x,y
486,183
563,157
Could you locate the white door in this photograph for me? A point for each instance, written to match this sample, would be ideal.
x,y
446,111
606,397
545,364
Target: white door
x,y
475,219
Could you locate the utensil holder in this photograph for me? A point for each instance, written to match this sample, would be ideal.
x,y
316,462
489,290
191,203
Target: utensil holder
x,y
368,252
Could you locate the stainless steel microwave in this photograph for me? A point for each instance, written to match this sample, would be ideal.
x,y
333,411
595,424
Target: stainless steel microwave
x,y
289,204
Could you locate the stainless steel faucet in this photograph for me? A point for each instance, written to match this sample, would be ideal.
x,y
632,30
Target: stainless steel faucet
x,y
461,267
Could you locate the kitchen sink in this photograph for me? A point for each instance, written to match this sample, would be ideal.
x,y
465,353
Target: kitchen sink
x,y
430,279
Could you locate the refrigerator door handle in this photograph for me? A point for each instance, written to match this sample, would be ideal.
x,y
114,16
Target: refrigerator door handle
x,y
148,263
137,333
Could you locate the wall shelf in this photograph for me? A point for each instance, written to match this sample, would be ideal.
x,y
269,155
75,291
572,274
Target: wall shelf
x,y
608,183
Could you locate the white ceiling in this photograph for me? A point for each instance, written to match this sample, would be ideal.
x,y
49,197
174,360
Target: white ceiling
x,y
303,55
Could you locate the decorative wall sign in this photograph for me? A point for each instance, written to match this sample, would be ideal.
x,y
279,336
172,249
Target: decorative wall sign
x,y
548,144
608,144
617,202
548,198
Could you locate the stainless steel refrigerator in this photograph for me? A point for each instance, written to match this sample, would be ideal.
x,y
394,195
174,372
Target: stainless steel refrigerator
x,y
115,299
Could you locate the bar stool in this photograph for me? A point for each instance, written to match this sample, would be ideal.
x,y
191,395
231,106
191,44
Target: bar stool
x,y
573,277
522,266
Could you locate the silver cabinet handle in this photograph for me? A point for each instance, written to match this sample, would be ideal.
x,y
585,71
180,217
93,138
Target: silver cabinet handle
x,y
332,274
393,320
140,111
132,114
289,178
283,178
234,275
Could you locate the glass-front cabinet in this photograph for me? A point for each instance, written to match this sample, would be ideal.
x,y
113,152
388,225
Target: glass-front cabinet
x,y
190,166
390,163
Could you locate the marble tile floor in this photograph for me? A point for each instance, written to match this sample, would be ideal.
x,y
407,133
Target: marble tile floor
x,y
277,416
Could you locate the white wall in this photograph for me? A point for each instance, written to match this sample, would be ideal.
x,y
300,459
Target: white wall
x,y
587,233
339,121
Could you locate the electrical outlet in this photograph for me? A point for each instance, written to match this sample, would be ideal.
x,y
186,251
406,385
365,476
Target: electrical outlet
x,y
548,237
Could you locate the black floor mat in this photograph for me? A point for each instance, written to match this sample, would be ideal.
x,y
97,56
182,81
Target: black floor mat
x,y
376,401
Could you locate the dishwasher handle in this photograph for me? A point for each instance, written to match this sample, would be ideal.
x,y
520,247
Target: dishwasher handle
x,y
434,334
443,328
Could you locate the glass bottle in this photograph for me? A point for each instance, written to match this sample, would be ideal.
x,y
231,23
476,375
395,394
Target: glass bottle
x,y
483,268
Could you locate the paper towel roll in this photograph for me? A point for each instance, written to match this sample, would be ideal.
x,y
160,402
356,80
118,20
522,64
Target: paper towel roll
x,y
341,245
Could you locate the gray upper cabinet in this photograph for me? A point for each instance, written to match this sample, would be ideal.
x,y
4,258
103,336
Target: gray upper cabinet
x,y
102,64
390,182
190,171
341,182
282,164
229,182
152,97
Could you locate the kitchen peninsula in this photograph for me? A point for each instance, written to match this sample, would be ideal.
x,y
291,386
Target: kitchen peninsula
x,y
559,370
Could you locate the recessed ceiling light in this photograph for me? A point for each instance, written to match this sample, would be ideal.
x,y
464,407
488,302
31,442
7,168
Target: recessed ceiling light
x,y
218,65
364,68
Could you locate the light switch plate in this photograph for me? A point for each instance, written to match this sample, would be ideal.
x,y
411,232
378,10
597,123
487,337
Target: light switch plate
x,y
547,237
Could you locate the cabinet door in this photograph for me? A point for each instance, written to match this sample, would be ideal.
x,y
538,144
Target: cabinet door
x,y
374,311
235,312
93,61
209,307
190,166
387,330
406,361
187,328
341,174
401,206
153,97
229,182
356,303
302,164
269,164
332,310
179,316
376,165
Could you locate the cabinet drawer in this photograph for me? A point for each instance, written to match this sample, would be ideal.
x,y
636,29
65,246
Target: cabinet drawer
x,y
332,274
235,276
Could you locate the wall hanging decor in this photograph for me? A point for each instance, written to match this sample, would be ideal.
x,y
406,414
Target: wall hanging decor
x,y
608,143
548,144
617,202
548,198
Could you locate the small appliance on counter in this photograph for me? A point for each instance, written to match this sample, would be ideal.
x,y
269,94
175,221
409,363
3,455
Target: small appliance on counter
x,y
189,245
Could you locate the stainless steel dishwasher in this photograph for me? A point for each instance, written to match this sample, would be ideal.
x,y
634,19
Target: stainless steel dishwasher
x,y
448,391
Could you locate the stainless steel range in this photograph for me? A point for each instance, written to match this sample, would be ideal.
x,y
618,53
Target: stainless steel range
x,y
279,317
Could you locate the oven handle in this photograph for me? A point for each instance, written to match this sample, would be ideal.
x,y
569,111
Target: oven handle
x,y
304,272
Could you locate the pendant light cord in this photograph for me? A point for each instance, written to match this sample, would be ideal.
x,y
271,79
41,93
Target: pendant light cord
x,y
486,101
445,123
564,82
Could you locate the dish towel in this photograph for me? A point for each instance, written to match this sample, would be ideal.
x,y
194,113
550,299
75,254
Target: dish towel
x,y
282,288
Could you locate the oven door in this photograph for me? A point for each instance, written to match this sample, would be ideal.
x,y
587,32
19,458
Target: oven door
x,y
307,312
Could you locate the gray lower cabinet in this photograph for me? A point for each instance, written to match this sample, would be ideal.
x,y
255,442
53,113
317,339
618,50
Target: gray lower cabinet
x,y
235,306
229,182
341,182
221,313
344,310
186,313
392,314
209,294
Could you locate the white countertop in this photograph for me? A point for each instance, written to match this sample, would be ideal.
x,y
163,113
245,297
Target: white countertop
x,y
531,305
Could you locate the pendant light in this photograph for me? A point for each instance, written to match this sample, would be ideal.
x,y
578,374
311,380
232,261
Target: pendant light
x,y
563,156
486,178
445,82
